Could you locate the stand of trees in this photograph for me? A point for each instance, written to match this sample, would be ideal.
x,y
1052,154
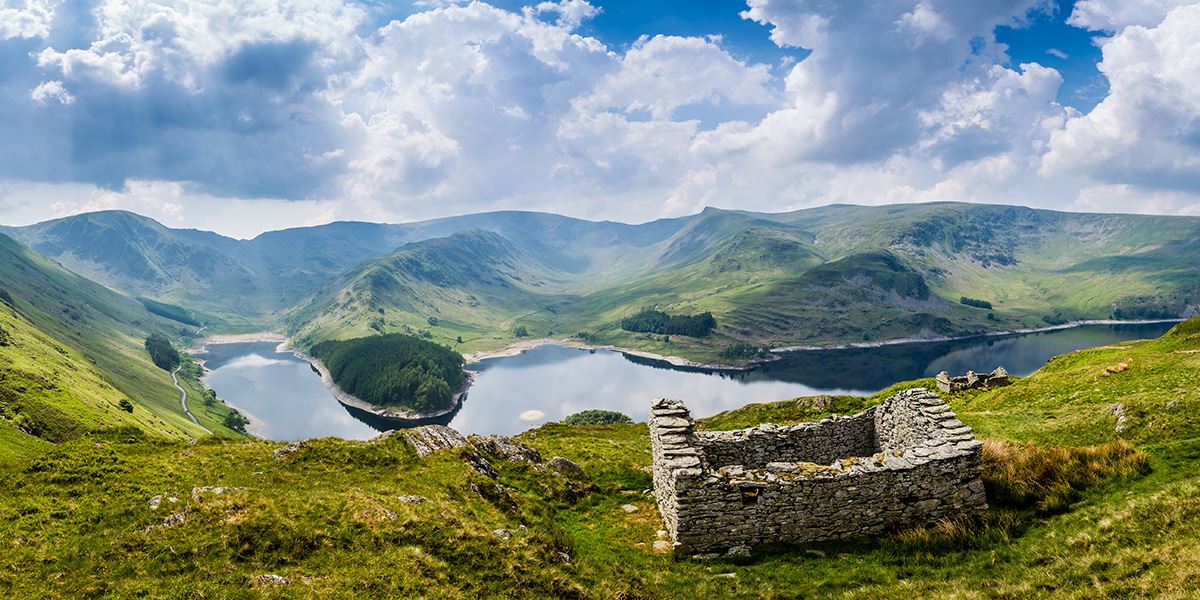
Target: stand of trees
x,y
975,302
394,370
161,353
170,311
657,321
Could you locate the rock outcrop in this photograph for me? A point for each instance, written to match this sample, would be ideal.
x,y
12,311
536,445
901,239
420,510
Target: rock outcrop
x,y
430,438
906,462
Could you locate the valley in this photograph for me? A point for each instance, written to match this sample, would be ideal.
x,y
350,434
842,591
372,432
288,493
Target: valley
x,y
92,378
827,276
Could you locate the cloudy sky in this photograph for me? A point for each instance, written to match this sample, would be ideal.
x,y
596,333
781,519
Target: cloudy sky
x,y
246,115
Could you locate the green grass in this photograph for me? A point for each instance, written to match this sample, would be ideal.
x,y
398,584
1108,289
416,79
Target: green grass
x,y
1066,522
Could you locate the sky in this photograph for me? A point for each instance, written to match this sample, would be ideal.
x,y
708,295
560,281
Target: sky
x,y
241,116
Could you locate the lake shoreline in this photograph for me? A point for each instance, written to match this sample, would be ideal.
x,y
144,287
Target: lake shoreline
x,y
1010,332
523,346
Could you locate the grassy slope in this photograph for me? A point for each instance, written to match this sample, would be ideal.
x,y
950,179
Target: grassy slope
x,y
329,517
101,329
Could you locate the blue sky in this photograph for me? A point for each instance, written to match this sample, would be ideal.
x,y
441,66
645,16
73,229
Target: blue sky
x,y
246,115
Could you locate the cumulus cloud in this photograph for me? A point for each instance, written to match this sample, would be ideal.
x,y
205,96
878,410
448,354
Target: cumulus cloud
x,y
1146,132
26,18
1115,15
571,13
307,110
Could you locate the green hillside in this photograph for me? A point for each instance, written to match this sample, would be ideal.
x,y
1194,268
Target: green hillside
x,y
475,286
808,277
91,333
1079,509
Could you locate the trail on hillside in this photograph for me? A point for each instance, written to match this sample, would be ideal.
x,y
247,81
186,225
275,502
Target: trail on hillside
x,y
183,399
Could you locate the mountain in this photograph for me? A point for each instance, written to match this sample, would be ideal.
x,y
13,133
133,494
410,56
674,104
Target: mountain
x,y
751,270
75,349
466,285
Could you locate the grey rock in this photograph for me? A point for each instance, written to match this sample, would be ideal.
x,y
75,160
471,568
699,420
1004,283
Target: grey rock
x,y
412,499
288,450
272,579
431,438
566,467
505,448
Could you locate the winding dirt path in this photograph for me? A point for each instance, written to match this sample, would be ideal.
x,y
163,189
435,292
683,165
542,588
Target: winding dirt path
x,y
183,399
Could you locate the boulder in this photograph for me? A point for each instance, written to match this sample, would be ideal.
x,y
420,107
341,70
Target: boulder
x,y
566,468
431,438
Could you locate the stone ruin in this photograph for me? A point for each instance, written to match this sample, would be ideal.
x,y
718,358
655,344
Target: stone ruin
x,y
972,380
906,462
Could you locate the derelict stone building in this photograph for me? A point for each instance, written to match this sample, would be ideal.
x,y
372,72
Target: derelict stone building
x,y
908,461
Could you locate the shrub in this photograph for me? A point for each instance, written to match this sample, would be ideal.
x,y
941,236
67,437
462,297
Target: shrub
x,y
125,405
5,339
1047,480
597,417
520,331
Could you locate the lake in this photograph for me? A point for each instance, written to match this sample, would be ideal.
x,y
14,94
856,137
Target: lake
x,y
513,394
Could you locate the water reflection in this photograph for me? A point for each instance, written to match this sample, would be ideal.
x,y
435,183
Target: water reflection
x,y
513,394
280,391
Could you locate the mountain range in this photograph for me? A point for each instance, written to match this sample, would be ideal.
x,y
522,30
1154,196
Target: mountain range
x,y
834,274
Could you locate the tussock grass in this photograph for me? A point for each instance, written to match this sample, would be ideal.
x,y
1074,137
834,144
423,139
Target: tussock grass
x,y
1048,479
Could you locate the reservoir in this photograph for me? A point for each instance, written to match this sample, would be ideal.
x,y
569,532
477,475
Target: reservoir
x,y
515,393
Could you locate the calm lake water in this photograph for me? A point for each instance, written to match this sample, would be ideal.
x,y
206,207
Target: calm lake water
x,y
513,394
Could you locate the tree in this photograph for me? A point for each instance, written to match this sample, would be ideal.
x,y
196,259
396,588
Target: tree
x,y
458,339
125,405
236,421
520,331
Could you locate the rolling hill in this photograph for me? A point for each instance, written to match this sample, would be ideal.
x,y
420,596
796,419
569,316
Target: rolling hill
x,y
814,276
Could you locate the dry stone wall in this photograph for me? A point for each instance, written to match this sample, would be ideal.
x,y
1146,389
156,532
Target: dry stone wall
x,y
908,461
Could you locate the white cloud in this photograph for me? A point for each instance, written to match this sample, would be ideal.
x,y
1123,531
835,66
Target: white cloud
x,y
1115,15
1146,132
571,13
51,90
663,73
302,111
1123,198
26,18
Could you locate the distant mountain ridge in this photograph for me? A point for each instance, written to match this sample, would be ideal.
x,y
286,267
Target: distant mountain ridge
x,y
772,279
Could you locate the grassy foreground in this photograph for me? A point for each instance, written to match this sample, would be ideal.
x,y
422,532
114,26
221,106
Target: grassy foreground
x,y
1120,518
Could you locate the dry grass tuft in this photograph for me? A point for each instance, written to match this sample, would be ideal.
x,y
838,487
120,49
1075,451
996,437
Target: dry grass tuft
x,y
1028,475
